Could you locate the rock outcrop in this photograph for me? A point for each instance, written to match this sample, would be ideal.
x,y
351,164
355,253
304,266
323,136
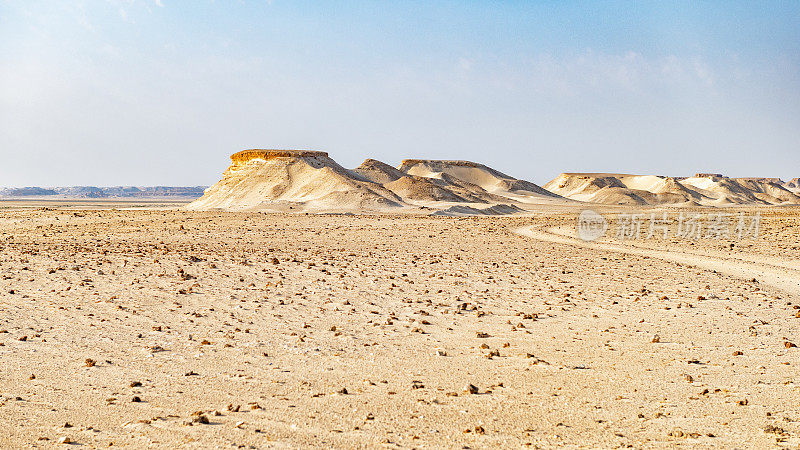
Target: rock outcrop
x,y
303,180
702,189
293,180
477,182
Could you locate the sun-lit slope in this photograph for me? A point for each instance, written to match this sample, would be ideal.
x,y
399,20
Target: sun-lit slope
x,y
793,185
378,172
725,190
408,187
305,179
621,189
478,179
703,189
423,190
770,190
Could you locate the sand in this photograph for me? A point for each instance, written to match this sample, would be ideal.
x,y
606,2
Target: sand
x,y
151,326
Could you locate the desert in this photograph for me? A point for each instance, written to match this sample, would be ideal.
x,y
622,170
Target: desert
x,y
145,325
399,225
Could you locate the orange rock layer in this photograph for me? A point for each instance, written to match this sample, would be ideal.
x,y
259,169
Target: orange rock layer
x,y
410,162
246,155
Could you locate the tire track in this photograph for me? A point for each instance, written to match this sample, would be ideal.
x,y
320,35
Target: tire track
x,y
778,276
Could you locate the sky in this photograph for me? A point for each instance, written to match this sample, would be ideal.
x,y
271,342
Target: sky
x,y
162,92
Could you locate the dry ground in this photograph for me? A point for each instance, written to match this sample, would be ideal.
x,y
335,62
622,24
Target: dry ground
x,y
135,327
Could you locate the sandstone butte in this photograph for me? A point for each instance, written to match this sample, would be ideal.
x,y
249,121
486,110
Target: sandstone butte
x,y
256,153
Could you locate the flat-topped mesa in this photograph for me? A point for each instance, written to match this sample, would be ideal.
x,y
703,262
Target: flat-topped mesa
x,y
411,162
709,175
247,155
587,175
761,179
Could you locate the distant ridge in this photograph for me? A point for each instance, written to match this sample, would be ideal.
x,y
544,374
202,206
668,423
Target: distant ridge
x,y
708,189
109,192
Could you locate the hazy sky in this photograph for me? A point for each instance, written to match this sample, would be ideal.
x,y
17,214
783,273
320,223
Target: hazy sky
x,y
149,92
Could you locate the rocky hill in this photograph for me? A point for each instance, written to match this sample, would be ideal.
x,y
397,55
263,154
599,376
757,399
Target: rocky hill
x,y
702,189
303,180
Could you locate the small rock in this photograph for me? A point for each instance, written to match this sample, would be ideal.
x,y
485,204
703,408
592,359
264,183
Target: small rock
x,y
677,433
471,388
774,430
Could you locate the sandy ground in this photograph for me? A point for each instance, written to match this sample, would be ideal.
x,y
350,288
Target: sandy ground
x,y
166,328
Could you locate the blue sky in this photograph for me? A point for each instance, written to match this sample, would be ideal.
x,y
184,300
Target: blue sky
x,y
112,92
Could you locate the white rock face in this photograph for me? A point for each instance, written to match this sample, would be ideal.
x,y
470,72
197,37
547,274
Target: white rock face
x,y
299,180
292,179
701,189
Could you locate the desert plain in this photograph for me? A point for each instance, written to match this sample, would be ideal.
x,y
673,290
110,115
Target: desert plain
x,y
147,325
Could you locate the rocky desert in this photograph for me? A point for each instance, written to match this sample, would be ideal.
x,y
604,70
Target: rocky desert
x,y
399,225
150,325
